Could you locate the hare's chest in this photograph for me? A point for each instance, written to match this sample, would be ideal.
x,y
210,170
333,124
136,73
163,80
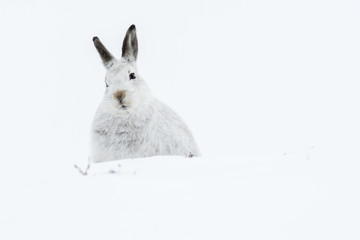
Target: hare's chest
x,y
118,133
126,133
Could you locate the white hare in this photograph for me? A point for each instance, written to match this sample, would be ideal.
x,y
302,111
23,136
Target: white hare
x,y
129,122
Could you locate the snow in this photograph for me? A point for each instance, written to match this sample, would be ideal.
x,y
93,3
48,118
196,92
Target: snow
x,y
295,196
269,90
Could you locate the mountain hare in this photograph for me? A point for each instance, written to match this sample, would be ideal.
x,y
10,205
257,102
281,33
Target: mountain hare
x,y
129,122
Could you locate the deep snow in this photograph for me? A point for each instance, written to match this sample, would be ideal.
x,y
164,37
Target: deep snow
x,y
293,196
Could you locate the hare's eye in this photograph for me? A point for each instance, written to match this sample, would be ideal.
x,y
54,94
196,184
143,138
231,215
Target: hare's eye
x,y
132,76
106,84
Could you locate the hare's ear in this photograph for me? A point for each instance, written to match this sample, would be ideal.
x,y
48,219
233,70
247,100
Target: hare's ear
x,y
130,45
105,55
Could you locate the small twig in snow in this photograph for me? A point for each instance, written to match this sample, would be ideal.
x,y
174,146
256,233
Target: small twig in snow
x,y
85,171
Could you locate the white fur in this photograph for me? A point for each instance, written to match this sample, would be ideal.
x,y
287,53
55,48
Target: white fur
x,y
145,127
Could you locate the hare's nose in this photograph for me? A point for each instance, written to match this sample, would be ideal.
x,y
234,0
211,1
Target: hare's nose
x,y
119,95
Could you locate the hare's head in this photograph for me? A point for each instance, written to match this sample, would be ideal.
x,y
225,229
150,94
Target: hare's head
x,y
125,89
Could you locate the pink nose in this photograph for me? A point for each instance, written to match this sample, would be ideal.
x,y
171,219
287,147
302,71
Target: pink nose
x,y
119,95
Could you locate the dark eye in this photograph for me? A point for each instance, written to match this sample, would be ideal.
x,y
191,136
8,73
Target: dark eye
x,y
132,76
106,84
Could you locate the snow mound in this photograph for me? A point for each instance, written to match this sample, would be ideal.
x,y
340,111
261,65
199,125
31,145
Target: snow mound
x,y
290,196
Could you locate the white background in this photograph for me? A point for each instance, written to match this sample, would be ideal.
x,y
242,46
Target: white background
x,y
270,90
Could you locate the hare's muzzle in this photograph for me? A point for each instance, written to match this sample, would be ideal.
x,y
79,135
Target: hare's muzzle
x,y
119,95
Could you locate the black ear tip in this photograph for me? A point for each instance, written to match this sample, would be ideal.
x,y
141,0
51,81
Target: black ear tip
x,y
95,39
132,27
